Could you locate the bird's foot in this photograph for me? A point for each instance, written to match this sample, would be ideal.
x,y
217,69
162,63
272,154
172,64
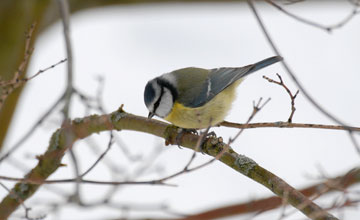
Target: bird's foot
x,y
182,132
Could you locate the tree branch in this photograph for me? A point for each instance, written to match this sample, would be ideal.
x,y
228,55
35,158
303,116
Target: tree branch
x,y
292,97
64,138
273,202
285,124
329,28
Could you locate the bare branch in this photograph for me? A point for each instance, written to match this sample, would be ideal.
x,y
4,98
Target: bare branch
x,y
101,156
281,124
292,97
65,17
44,70
296,81
329,28
85,181
78,179
256,109
7,87
33,128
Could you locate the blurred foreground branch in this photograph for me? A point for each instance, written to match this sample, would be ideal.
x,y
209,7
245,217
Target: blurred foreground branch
x,y
273,202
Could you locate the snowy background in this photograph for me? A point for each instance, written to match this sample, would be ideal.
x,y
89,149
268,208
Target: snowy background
x,y
129,45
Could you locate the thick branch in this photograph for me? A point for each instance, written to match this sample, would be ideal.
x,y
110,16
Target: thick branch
x,y
262,205
64,138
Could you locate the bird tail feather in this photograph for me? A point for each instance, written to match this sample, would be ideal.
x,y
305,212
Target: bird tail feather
x,y
266,62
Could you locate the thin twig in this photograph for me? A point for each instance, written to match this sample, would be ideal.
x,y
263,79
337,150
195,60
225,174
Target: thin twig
x,y
95,103
27,53
17,81
78,179
197,148
8,86
99,94
65,17
256,108
292,97
185,170
201,140
284,124
144,166
93,146
328,28
85,181
291,2
33,128
101,156
192,158
284,204
44,70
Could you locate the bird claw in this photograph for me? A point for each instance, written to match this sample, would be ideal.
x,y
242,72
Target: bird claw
x,y
183,131
211,135
207,136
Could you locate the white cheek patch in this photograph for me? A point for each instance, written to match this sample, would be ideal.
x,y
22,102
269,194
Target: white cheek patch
x,y
166,103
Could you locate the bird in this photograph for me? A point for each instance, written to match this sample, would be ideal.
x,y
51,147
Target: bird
x,y
197,98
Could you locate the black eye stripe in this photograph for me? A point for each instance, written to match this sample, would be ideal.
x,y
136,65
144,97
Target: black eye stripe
x,y
157,103
168,85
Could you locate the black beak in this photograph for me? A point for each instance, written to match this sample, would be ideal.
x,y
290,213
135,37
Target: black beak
x,y
150,115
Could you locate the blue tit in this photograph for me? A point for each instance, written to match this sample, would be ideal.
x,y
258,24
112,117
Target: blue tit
x,y
196,98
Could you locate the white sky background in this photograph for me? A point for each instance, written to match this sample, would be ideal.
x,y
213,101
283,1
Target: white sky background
x,y
130,45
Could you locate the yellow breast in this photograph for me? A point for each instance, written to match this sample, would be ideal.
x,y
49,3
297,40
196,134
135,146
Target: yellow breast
x,y
212,113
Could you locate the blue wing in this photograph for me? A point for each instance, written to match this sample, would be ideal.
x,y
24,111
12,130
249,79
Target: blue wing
x,y
220,78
